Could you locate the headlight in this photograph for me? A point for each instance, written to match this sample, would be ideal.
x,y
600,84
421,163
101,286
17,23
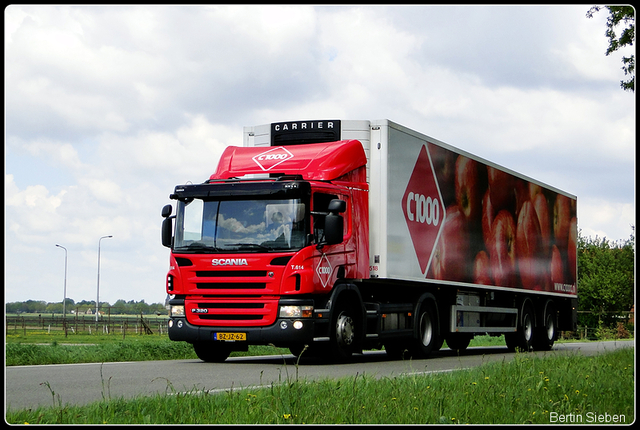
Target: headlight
x,y
177,310
296,311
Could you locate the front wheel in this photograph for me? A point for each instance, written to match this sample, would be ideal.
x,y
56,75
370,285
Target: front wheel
x,y
345,327
211,352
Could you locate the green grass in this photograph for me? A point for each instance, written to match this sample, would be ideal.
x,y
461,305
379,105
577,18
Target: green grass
x,y
140,349
48,348
527,389
54,348
58,337
18,354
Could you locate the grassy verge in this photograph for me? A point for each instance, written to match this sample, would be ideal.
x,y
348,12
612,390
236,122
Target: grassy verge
x,y
528,389
44,348
19,354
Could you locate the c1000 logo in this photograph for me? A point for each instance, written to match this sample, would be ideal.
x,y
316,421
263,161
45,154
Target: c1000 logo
x,y
423,210
272,158
264,157
324,270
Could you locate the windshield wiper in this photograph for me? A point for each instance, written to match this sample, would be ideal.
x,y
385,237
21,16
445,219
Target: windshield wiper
x,y
250,245
197,246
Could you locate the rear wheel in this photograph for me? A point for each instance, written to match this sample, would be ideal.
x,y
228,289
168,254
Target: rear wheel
x,y
527,332
546,334
427,339
523,338
211,352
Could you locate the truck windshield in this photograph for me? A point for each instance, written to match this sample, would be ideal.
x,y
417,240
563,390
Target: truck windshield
x,y
240,225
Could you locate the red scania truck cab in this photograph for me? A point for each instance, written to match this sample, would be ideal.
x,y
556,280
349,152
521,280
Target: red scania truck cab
x,y
331,237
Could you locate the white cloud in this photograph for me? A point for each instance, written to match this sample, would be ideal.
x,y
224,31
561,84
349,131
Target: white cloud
x,y
109,107
602,218
63,153
35,208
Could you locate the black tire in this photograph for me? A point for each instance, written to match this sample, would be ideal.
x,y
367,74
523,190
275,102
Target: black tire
x,y
547,333
211,352
458,342
298,350
527,334
427,339
345,329
511,339
314,350
523,338
395,350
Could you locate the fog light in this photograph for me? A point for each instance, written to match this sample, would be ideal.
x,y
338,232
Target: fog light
x,y
170,323
297,325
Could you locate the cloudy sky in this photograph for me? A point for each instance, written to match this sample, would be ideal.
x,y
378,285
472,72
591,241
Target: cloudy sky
x,y
108,108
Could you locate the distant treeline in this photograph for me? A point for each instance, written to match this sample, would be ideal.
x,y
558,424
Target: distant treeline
x,y
86,307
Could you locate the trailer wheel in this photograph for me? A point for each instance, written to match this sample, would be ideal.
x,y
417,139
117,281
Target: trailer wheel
x,y
546,334
211,352
524,337
427,339
458,342
511,339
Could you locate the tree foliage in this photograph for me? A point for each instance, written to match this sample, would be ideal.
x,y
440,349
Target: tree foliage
x,y
606,277
620,15
120,307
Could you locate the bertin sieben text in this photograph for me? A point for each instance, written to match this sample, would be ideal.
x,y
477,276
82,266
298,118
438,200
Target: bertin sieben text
x,y
587,418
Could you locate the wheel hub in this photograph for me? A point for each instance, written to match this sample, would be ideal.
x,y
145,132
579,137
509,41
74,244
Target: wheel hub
x,y
345,332
551,328
426,329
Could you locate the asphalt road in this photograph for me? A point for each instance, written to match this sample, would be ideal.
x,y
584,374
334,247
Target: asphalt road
x,y
77,384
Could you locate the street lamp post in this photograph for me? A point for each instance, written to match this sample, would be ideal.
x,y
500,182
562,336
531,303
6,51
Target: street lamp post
x,y
64,299
98,287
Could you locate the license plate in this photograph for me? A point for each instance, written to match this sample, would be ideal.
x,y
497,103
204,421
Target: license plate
x,y
230,336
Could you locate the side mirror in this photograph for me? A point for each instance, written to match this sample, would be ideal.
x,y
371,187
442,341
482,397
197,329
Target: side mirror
x,y
166,211
337,206
167,226
334,222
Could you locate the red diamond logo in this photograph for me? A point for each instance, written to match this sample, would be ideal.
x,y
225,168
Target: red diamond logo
x,y
324,270
271,158
423,209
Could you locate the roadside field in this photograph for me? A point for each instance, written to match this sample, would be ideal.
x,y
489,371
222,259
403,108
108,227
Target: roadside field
x,y
526,390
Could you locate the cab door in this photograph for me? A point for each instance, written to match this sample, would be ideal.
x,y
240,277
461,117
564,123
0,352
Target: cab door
x,y
329,261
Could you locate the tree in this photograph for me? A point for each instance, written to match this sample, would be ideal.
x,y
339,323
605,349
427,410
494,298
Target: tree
x,y
626,16
605,278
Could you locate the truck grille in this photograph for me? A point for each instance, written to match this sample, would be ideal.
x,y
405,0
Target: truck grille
x,y
232,312
231,281
230,286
